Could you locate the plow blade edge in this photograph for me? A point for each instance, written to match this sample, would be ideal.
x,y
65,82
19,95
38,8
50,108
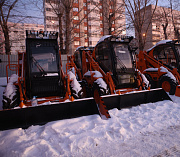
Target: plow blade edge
x,y
25,117
135,98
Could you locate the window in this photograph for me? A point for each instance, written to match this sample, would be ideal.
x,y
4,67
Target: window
x,y
86,43
76,42
85,28
166,55
75,1
48,9
85,12
76,18
112,29
76,34
103,56
76,26
75,9
84,4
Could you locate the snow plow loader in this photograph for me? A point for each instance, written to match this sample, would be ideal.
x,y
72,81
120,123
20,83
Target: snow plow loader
x,y
109,74
161,65
41,91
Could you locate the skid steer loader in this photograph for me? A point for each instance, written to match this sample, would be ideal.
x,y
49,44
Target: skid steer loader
x,y
41,91
109,74
161,65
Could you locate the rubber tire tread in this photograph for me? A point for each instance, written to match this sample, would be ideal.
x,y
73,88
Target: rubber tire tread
x,y
172,83
84,84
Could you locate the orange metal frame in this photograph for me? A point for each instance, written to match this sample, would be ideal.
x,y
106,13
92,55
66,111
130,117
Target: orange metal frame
x,y
20,70
148,61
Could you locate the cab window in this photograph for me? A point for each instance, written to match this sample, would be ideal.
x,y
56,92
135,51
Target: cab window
x,y
103,55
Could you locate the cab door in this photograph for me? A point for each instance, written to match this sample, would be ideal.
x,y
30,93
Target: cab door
x,y
103,56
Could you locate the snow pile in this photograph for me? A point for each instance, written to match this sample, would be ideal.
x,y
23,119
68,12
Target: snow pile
x,y
10,89
151,129
124,133
145,80
151,69
74,84
96,74
101,83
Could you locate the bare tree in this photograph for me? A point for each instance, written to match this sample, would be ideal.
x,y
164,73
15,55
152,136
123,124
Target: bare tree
x,y
175,18
137,11
68,5
6,6
58,10
112,12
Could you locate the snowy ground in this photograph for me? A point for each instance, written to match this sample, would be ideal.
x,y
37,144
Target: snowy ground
x,y
151,129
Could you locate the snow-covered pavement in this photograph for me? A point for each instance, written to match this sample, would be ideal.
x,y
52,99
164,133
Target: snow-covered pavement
x,y
151,129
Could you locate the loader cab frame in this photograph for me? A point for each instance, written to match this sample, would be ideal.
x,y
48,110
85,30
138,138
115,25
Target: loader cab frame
x,y
168,54
43,64
78,55
114,54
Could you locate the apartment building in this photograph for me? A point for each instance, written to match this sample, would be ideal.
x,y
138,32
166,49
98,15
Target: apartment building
x,y
162,16
90,20
17,36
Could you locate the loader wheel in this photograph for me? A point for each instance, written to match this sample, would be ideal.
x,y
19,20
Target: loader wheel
x,y
85,89
99,91
11,102
151,82
167,84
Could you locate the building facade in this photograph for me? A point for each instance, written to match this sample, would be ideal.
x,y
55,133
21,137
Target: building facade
x,y
90,20
162,26
17,36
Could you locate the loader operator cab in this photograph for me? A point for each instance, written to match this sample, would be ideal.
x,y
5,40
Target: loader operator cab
x,y
113,54
168,53
78,55
43,64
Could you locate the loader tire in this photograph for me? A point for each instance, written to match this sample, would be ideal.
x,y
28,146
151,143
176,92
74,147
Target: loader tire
x,y
99,91
86,92
167,84
151,82
11,103
76,95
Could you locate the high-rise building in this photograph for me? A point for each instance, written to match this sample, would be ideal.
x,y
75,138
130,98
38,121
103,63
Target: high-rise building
x,y
90,20
17,36
162,16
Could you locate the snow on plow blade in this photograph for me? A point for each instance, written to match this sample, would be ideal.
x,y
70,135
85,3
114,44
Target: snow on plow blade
x,y
25,117
134,99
